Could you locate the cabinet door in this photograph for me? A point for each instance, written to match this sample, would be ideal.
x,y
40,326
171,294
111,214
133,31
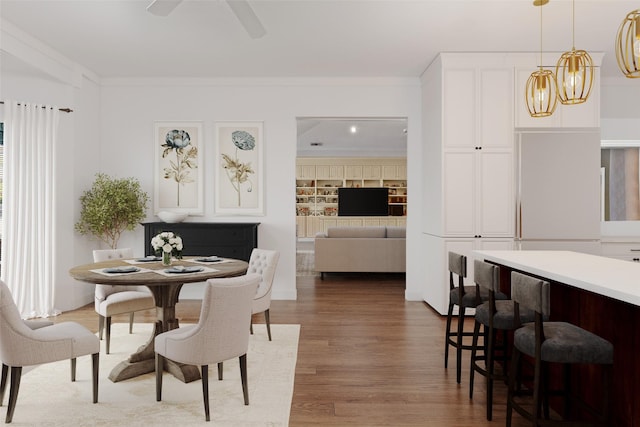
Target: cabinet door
x,y
402,172
313,226
495,206
305,172
301,226
495,109
459,107
372,172
353,172
394,172
478,194
327,222
628,251
458,194
329,172
371,222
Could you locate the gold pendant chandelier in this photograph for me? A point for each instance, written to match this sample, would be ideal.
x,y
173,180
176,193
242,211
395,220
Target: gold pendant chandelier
x,y
574,73
628,45
540,94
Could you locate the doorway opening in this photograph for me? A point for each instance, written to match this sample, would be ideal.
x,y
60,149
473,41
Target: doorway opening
x,y
351,152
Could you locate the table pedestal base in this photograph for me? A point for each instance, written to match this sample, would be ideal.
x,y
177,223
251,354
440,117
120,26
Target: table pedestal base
x,y
143,362
126,370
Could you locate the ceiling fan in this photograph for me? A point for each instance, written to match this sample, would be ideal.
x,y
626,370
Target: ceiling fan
x,y
241,8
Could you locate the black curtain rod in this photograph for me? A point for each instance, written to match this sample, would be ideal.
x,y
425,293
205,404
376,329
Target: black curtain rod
x,y
65,110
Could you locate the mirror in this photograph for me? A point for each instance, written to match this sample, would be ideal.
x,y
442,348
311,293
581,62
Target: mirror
x,y
620,180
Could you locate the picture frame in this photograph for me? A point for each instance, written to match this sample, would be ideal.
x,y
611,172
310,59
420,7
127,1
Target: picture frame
x,y
179,167
239,168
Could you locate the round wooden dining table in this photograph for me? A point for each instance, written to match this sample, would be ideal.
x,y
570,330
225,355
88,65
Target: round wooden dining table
x,y
165,287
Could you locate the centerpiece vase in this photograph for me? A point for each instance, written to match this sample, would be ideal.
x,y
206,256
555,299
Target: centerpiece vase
x,y
166,258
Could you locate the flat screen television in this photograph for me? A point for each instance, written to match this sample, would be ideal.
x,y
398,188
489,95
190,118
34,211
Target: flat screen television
x,y
364,201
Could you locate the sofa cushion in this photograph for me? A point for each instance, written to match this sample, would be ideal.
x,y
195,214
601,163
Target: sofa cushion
x,y
396,232
357,232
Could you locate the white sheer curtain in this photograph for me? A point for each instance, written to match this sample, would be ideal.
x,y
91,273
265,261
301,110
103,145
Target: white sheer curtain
x,y
30,134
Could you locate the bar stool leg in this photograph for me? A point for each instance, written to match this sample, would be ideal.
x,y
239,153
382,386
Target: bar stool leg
x,y
489,364
459,343
513,376
474,351
447,336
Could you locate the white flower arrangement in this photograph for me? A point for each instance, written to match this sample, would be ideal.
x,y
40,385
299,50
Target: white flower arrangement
x,y
167,242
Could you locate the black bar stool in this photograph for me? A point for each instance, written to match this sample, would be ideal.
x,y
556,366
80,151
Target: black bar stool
x,y
553,342
496,315
464,297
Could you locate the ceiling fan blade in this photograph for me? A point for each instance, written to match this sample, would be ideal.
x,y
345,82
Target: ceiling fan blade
x,y
247,17
162,7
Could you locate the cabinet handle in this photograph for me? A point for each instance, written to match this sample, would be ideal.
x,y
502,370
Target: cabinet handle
x,y
634,250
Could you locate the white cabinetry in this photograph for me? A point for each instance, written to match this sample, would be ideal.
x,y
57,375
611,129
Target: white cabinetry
x,y
305,172
477,154
394,172
318,181
353,172
469,199
372,172
478,194
627,250
329,171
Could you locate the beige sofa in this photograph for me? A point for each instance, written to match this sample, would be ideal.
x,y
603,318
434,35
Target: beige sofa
x,y
361,249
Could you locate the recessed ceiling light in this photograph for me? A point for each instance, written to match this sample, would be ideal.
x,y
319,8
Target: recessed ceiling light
x,y
353,129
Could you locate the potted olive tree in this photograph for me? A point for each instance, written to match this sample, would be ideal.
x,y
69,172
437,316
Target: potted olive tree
x,y
110,207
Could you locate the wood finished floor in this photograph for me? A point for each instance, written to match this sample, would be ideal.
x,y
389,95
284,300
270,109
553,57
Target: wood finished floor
x,y
366,356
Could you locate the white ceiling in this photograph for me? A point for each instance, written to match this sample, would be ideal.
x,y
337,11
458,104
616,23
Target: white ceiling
x,y
305,38
202,38
381,137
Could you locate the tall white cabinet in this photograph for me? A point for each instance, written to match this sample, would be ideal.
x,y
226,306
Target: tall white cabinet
x,y
473,104
468,128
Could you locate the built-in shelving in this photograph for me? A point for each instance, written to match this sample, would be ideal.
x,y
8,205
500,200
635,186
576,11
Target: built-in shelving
x,y
318,181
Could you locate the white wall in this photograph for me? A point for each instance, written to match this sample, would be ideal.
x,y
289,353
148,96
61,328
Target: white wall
x,y
111,131
130,107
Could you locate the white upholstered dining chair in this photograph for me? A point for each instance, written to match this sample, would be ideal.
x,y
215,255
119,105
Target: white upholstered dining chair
x,y
222,333
264,263
27,343
112,300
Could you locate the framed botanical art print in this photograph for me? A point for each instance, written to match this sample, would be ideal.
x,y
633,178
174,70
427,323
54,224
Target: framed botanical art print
x,y
239,171
178,180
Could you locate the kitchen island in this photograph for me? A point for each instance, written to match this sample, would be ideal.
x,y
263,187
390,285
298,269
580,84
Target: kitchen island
x,y
599,294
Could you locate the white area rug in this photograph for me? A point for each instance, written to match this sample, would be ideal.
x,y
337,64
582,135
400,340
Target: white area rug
x,y
48,397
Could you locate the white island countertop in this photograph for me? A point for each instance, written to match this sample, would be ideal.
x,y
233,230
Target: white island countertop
x,y
610,277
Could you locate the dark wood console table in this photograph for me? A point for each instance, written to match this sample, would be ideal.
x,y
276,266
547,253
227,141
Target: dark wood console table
x,y
224,239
